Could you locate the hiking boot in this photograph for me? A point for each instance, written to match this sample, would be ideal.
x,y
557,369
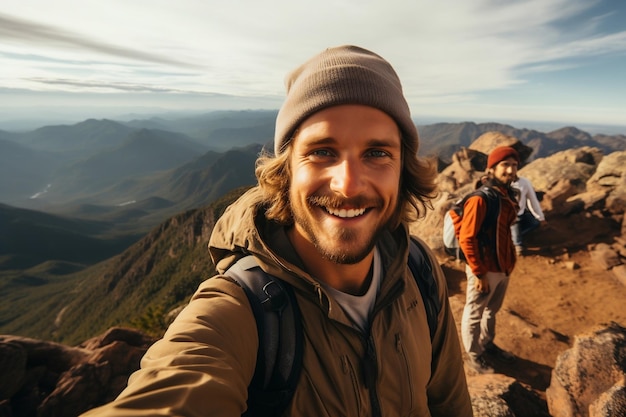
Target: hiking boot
x,y
480,365
499,353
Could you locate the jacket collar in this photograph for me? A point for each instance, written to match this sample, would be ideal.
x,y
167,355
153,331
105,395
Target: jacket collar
x,y
243,230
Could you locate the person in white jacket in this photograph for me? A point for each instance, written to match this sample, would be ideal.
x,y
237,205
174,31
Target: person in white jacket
x,y
529,216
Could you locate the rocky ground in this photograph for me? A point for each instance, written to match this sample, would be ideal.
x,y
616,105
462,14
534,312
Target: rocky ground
x,y
556,292
562,288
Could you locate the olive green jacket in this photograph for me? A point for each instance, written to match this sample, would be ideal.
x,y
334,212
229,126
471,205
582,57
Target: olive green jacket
x,y
206,359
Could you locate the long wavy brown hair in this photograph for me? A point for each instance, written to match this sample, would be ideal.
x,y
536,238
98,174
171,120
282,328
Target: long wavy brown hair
x,y
417,185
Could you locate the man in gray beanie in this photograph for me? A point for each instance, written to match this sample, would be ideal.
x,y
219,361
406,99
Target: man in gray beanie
x,y
328,223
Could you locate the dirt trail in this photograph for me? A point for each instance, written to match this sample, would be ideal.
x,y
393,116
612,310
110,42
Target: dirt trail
x,y
556,292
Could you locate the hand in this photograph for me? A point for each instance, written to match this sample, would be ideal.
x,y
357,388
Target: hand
x,y
482,285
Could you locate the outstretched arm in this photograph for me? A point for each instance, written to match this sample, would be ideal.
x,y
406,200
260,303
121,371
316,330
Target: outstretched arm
x,y
203,364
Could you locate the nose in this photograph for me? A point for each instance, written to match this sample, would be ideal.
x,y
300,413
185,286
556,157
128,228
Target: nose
x,y
347,178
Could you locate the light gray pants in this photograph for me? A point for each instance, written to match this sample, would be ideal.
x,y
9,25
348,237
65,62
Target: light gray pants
x,y
478,324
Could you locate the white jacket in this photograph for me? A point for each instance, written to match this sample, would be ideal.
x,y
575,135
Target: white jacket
x,y
528,198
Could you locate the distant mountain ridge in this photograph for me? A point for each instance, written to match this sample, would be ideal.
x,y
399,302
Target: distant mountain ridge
x,y
443,139
220,130
85,136
142,152
108,163
193,184
177,207
88,161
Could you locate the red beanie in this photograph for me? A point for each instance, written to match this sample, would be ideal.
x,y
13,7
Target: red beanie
x,y
501,153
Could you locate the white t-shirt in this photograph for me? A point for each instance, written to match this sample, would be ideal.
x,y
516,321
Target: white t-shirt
x,y
359,307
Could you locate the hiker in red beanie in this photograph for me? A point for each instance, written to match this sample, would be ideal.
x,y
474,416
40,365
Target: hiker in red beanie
x,y
490,258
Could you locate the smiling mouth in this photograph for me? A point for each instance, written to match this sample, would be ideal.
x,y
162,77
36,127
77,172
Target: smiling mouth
x,y
346,214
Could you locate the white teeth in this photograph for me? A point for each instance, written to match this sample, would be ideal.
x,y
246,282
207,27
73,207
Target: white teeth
x,y
346,213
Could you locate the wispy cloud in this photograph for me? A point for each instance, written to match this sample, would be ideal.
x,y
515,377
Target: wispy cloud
x,y
28,32
115,86
453,51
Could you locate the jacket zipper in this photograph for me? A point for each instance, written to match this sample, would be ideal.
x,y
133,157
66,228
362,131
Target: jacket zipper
x,y
370,362
370,371
403,355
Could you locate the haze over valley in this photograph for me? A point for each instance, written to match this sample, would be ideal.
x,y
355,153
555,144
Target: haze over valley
x,y
136,173
82,193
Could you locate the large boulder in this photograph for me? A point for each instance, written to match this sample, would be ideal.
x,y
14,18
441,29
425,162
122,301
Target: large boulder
x,y
574,166
588,379
488,141
469,164
498,395
466,167
12,368
610,179
569,181
430,227
50,379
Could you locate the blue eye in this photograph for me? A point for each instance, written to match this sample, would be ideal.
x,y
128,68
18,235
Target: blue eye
x,y
377,153
321,152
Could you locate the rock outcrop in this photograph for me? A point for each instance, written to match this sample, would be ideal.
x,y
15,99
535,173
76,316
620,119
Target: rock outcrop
x,y
40,378
502,396
588,188
468,164
577,182
588,380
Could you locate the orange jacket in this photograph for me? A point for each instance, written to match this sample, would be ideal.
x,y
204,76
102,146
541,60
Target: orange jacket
x,y
498,254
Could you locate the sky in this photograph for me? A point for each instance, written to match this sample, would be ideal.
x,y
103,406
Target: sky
x,y
561,61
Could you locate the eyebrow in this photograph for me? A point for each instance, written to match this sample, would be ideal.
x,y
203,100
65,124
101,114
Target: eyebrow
x,y
373,142
384,143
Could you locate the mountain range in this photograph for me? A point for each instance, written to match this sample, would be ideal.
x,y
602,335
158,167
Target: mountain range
x,y
113,235
100,161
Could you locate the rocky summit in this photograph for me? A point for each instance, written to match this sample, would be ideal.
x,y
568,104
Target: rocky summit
x,y
563,316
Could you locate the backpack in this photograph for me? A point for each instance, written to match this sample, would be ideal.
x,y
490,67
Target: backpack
x,y
279,359
454,216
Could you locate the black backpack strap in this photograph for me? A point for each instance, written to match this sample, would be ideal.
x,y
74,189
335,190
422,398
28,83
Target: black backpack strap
x,y
492,198
422,272
279,359
275,308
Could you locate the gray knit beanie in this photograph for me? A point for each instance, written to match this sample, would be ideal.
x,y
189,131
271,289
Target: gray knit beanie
x,y
342,75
